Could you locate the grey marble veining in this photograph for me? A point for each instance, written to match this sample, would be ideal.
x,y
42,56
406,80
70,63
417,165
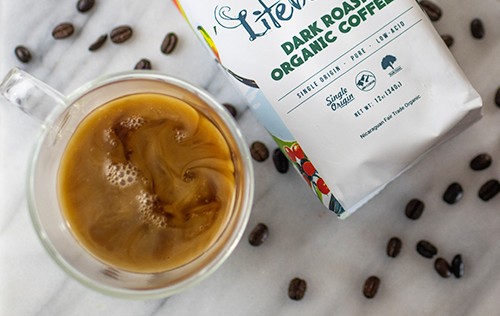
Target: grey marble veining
x,y
305,240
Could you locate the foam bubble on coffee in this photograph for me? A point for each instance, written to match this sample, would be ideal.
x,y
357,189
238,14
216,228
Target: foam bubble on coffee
x,y
147,212
188,176
109,137
121,175
132,122
180,135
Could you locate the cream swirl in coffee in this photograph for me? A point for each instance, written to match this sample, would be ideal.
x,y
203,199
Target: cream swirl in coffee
x,y
146,183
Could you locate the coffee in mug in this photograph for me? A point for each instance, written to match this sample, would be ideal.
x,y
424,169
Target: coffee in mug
x,y
146,182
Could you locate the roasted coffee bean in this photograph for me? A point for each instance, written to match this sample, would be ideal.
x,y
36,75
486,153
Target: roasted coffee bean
x,y
394,247
477,28
23,54
497,97
231,109
453,193
448,39
457,266
297,289
63,30
480,162
143,64
259,151
414,209
431,9
258,235
426,249
489,190
121,34
442,267
370,288
98,43
169,43
84,5
280,161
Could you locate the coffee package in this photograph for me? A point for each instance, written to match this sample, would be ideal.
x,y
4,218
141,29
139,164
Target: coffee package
x,y
354,92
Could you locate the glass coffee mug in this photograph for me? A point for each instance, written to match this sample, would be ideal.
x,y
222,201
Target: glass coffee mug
x,y
203,231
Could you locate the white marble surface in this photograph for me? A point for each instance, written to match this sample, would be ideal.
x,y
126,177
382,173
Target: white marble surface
x,y
305,240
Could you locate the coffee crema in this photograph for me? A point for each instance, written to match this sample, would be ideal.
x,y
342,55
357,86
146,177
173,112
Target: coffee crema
x,y
146,183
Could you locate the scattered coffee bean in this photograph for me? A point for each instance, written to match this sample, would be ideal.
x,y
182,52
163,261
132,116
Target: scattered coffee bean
x,y
431,9
259,151
231,109
414,209
457,266
370,288
280,161
442,268
489,190
169,43
394,247
121,34
143,64
23,54
497,97
426,249
297,289
63,30
480,162
98,43
258,235
477,28
84,5
453,193
448,39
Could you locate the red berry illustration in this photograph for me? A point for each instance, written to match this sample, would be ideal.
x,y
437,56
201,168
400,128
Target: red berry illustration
x,y
308,168
322,186
289,153
298,151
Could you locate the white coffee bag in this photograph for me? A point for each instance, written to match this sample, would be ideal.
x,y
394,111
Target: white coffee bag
x,y
366,87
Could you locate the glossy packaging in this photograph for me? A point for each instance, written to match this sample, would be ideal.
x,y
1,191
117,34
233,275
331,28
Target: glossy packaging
x,y
353,92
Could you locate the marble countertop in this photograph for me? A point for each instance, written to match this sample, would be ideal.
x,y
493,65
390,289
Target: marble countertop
x,y
334,257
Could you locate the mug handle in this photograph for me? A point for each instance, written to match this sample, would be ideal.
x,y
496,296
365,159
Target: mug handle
x,y
32,96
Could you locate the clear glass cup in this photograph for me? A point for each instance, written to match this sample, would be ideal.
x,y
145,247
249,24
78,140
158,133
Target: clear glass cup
x,y
60,115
